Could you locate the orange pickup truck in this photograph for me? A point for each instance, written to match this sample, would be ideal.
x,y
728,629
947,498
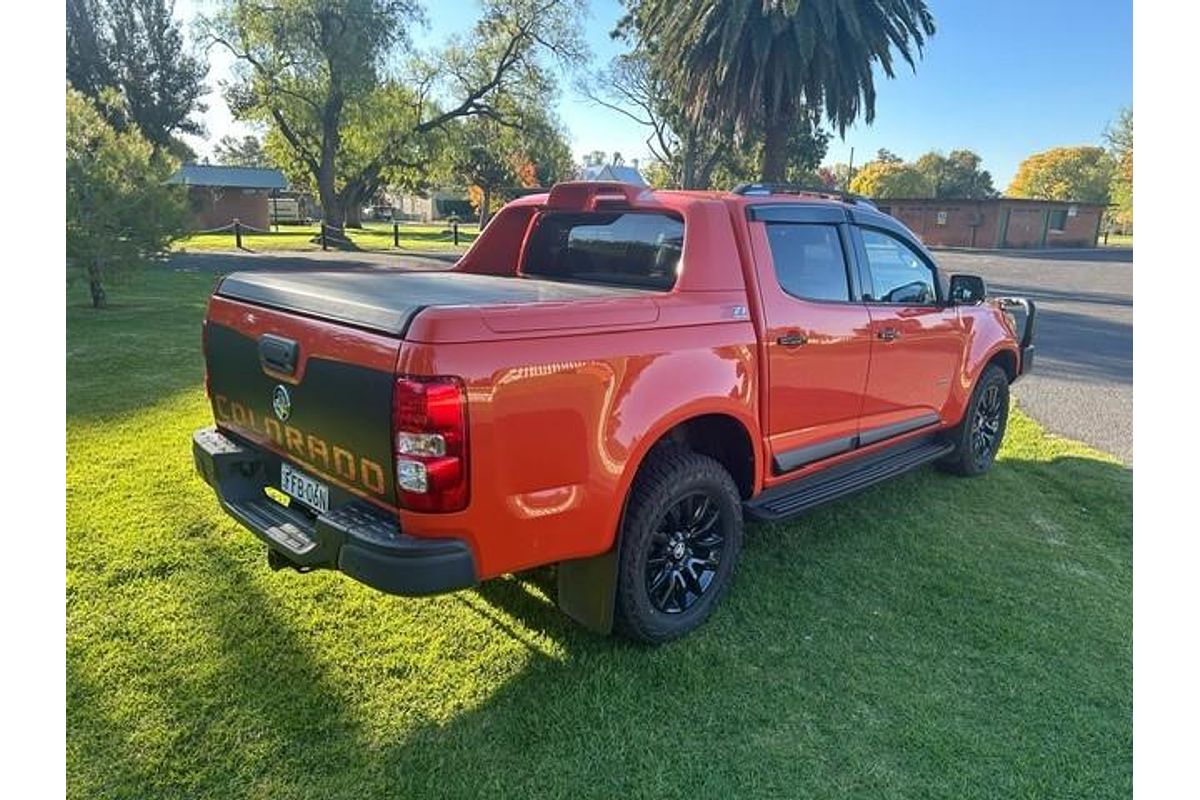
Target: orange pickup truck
x,y
609,382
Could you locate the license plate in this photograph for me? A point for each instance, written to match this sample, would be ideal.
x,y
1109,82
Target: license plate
x,y
312,493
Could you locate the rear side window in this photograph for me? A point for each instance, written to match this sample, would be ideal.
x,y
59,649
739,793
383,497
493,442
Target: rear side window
x,y
624,248
809,262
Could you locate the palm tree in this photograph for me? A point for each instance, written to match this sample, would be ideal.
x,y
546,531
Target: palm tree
x,y
765,62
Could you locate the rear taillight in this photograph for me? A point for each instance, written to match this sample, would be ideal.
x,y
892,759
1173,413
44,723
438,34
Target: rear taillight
x,y
429,442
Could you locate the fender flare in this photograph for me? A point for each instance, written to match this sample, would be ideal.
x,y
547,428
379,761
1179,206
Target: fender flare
x,y
587,587
972,370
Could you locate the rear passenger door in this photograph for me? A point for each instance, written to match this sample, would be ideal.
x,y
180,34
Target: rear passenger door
x,y
916,339
817,334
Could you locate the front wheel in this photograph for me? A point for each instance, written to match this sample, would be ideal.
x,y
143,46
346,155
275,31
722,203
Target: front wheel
x,y
978,437
680,540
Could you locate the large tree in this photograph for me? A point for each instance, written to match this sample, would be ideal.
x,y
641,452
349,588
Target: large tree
x,y
88,68
762,65
1064,173
483,165
957,176
137,48
120,208
244,152
496,160
322,74
889,179
806,145
1119,138
687,150
690,153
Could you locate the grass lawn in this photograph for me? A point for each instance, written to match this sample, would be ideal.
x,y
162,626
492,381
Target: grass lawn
x,y
933,637
373,236
1117,240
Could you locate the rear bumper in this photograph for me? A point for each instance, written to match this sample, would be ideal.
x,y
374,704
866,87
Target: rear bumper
x,y
356,538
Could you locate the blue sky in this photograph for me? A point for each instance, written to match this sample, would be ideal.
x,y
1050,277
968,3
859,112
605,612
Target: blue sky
x,y
1003,79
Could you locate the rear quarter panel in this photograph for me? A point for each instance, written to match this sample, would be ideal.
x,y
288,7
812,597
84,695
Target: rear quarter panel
x,y
560,421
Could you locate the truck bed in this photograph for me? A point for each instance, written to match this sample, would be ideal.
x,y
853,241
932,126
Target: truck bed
x,y
387,302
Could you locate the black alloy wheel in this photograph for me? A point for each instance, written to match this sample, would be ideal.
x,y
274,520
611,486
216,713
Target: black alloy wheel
x,y
680,537
685,553
985,424
977,438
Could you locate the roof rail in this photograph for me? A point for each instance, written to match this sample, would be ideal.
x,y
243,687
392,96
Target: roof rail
x,y
797,189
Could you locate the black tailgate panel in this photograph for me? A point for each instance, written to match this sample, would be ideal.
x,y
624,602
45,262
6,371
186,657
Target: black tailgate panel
x,y
338,424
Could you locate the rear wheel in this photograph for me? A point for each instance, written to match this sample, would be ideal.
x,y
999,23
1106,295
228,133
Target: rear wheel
x,y
978,437
680,540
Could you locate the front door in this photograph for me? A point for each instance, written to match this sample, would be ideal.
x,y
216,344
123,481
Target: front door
x,y
816,339
916,340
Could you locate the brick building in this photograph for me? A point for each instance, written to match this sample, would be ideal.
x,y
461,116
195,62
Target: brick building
x,y
218,195
998,223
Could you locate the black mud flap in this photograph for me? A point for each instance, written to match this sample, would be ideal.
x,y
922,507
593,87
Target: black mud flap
x,y
587,590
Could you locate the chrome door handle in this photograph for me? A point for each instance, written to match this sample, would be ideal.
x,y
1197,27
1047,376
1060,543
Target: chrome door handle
x,y
888,334
792,339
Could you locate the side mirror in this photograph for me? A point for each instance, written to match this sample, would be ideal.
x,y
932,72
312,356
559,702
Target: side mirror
x,y
967,290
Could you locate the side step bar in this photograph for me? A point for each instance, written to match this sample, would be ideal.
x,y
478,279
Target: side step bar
x,y
792,498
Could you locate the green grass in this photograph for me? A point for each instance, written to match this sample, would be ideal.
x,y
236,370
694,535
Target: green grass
x,y
373,236
1117,240
933,637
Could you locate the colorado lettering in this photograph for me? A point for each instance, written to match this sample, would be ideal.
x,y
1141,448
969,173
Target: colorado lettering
x,y
333,459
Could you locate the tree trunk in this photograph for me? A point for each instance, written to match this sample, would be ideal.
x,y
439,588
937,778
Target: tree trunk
x,y
331,204
95,274
485,206
774,156
688,169
354,195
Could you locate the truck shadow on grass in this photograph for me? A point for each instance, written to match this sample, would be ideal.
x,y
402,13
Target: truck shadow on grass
x,y
931,637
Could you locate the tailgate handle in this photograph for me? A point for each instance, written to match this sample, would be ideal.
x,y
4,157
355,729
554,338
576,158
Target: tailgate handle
x,y
278,354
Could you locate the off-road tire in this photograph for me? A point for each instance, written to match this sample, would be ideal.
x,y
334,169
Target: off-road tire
x,y
969,457
671,477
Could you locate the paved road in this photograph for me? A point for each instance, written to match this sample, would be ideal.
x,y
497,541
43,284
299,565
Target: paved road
x,y
1082,384
1081,387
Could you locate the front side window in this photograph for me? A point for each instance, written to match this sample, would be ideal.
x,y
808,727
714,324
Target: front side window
x,y
624,248
898,274
809,262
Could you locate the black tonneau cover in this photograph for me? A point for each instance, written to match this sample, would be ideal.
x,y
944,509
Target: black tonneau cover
x,y
388,301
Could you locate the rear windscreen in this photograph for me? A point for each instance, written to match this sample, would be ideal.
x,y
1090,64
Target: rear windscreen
x,y
624,248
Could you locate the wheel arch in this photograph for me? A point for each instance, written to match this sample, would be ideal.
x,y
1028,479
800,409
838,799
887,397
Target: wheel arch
x,y
587,586
720,436
1004,358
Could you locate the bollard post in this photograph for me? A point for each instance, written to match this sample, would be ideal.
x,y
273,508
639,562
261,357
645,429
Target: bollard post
x,y
395,233
324,243
237,232
454,227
